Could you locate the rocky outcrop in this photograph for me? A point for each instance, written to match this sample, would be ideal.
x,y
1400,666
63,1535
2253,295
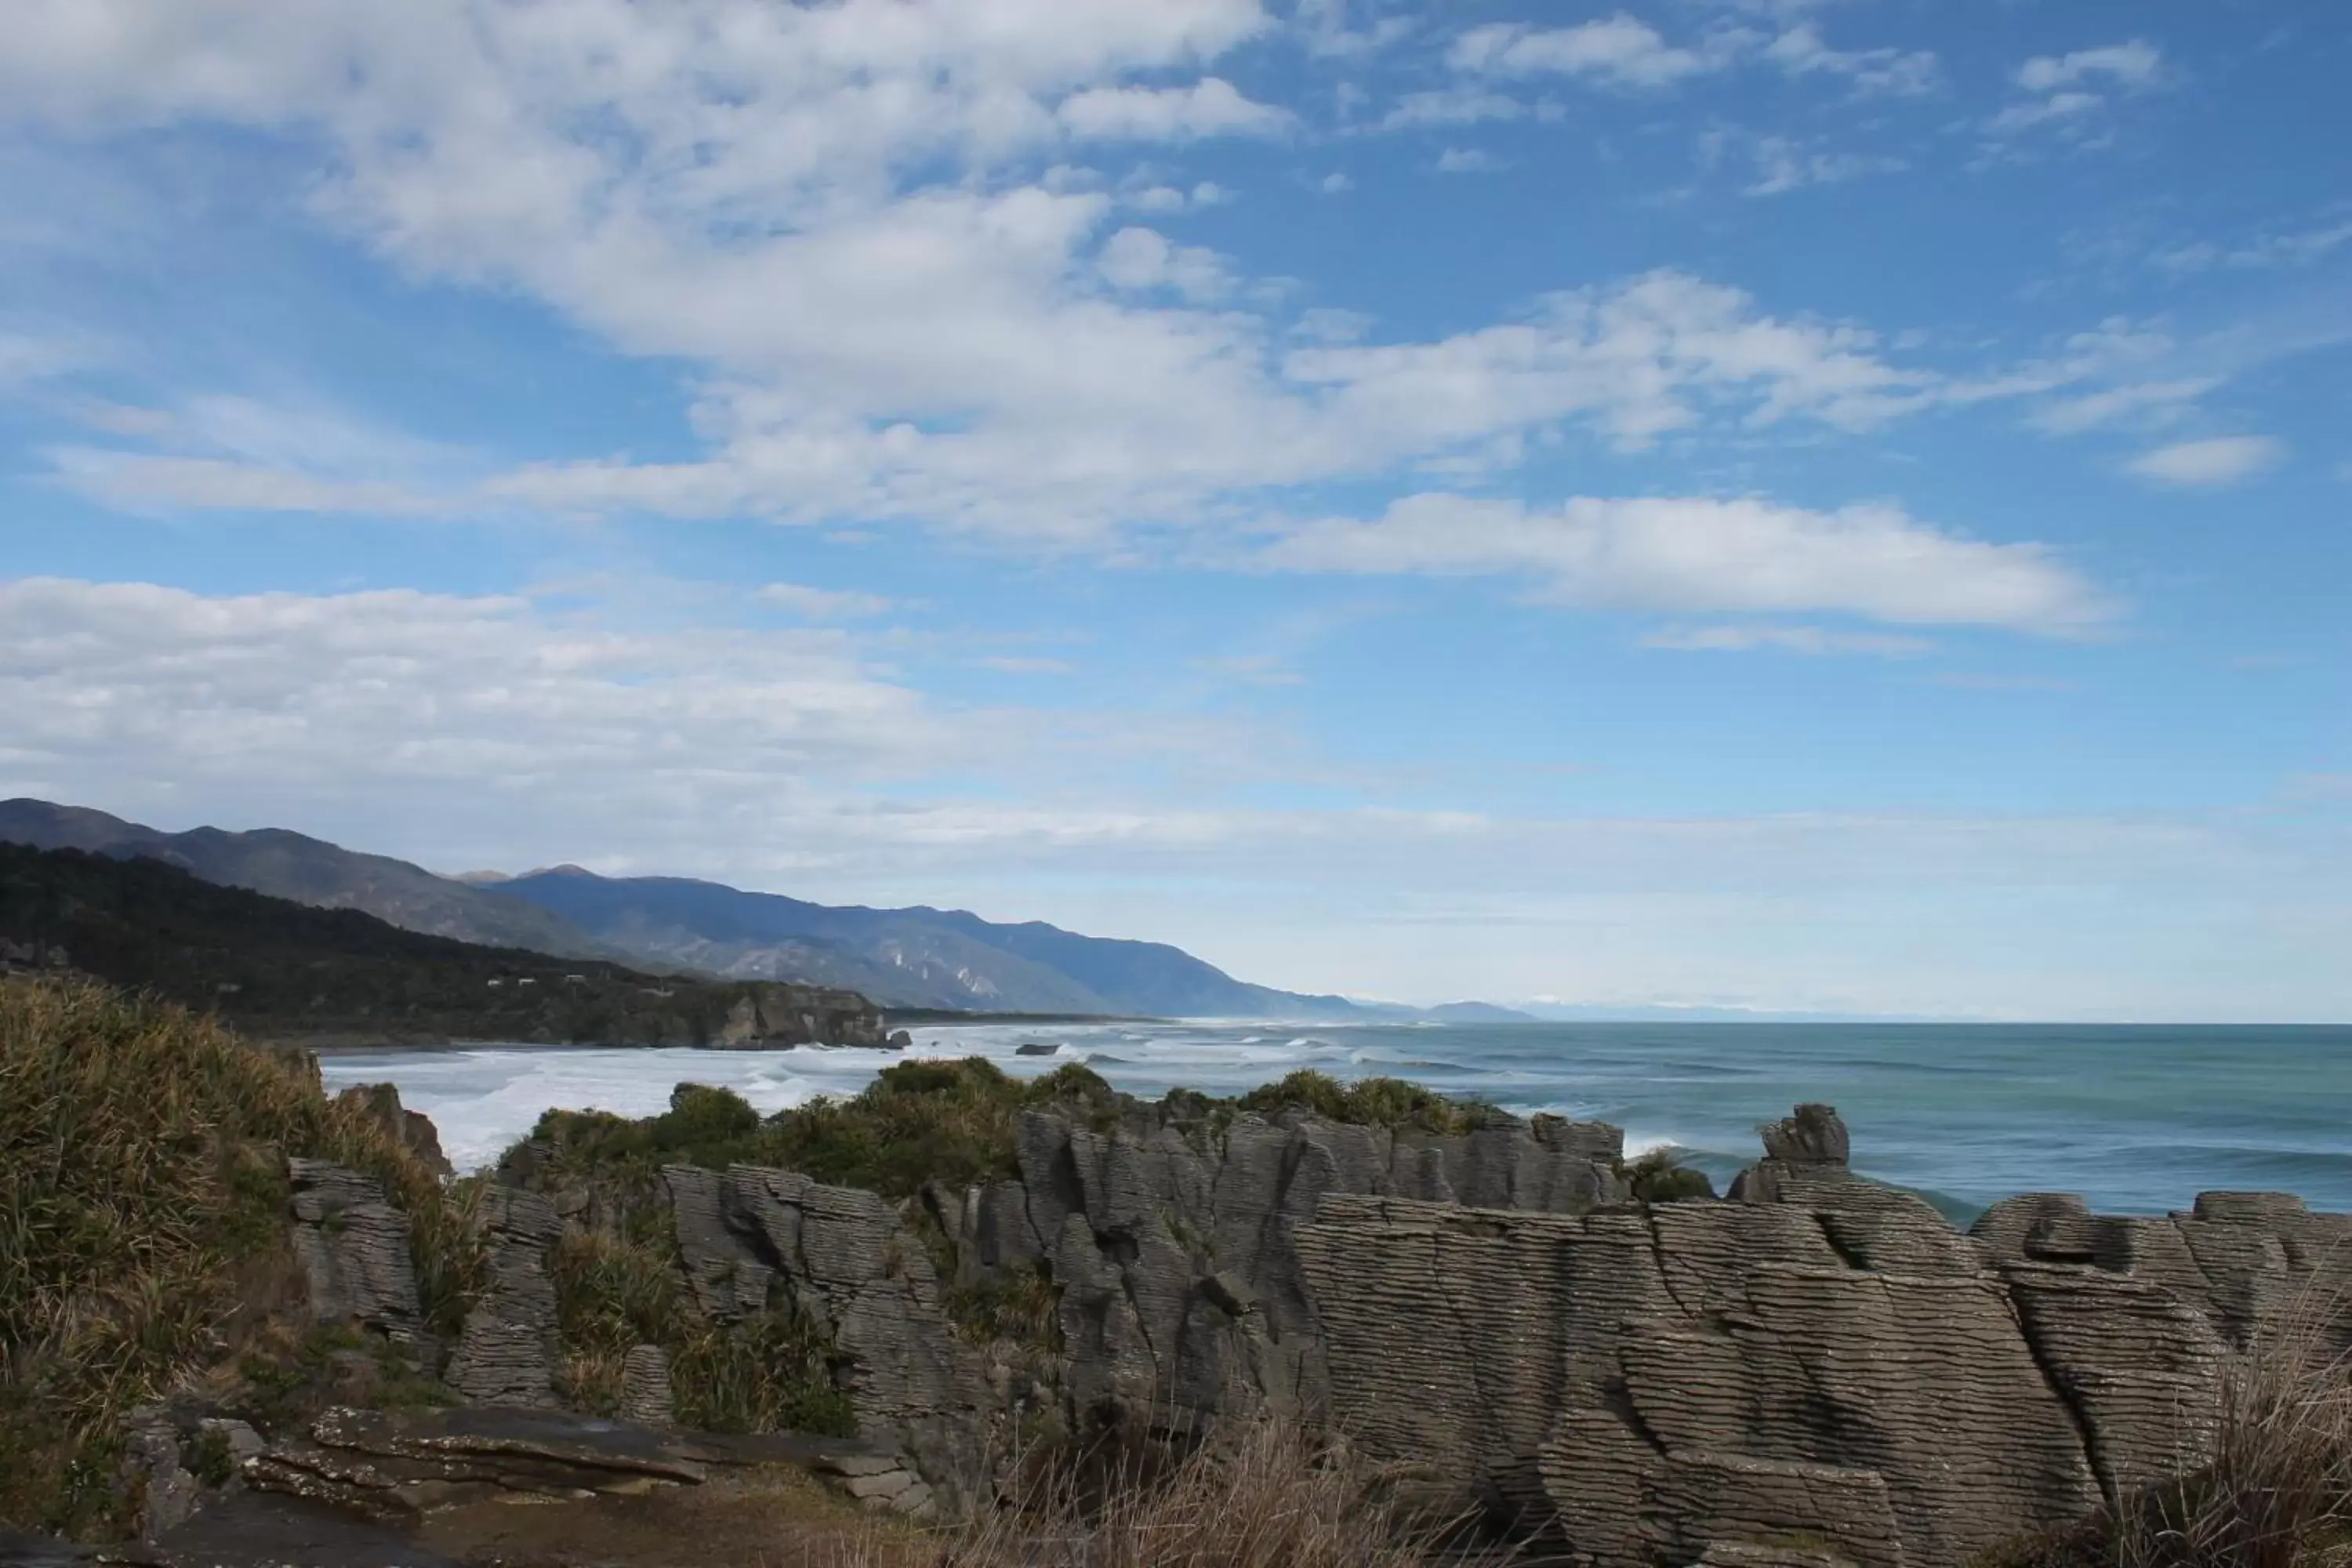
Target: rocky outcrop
x,y
751,1240
396,1467
1824,1359
507,1354
353,1244
1819,1369
771,1014
412,1130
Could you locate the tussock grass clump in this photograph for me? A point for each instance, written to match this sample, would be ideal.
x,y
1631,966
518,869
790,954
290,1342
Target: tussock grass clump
x,y
1269,1494
2278,1492
142,1190
769,1373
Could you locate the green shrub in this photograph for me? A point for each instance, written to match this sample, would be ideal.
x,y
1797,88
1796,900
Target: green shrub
x,y
1659,1177
769,1374
1372,1102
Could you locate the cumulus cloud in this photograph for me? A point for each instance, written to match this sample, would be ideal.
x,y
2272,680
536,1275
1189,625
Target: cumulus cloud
x,y
1621,49
1703,554
1211,107
831,212
1141,259
2210,463
1802,51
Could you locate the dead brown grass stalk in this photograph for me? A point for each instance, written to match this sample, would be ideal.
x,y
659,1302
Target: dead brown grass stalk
x,y
2278,1492
1269,1494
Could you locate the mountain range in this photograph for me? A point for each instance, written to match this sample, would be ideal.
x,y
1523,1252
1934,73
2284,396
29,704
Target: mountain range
x,y
919,958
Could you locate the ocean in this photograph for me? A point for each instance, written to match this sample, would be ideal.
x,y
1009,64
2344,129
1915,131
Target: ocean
x,y
2137,1119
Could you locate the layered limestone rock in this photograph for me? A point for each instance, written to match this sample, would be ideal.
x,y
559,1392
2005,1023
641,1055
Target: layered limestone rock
x,y
353,1244
1823,1360
845,1260
507,1354
1819,1369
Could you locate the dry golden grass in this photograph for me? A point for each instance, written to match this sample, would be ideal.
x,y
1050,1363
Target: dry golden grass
x,y
1270,1496
2278,1493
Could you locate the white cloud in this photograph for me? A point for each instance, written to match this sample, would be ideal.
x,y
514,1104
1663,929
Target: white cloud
x,y
1801,52
1811,641
1211,107
1452,106
2267,252
26,357
1466,160
2134,63
1334,183
1783,165
1619,49
140,482
2058,106
2142,402
824,603
227,453
472,731
2064,85
2210,463
1697,554
830,213
1142,259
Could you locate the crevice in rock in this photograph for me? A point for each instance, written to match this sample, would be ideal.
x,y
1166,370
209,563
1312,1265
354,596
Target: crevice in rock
x,y
1658,1257
1847,1254
2068,1397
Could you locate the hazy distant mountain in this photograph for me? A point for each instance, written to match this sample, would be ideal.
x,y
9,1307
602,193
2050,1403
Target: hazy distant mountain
x,y
283,970
309,871
901,958
919,957
1476,1013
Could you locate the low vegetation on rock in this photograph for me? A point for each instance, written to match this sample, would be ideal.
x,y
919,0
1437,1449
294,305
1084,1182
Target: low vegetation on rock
x,y
619,1289
143,1195
950,1123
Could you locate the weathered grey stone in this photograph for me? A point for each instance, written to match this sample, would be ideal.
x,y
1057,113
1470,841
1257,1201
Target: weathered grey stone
x,y
507,1352
352,1245
411,1129
646,1396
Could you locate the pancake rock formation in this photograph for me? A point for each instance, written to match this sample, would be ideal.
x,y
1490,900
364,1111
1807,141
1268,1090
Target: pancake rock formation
x,y
1818,1358
1816,1366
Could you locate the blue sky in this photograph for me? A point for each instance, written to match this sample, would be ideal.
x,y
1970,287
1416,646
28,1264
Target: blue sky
x,y
1826,504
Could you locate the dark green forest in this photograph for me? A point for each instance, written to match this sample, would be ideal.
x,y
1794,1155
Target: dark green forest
x,y
279,970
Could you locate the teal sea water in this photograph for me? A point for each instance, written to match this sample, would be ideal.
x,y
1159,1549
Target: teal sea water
x,y
2137,1120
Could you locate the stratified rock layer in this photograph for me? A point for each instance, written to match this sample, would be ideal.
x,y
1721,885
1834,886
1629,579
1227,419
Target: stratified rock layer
x,y
507,1354
1819,1370
1824,1359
